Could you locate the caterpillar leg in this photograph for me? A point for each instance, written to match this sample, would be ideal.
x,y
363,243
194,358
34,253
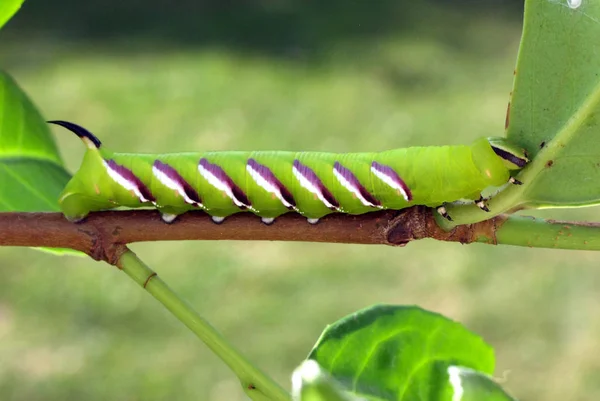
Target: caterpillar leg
x,y
481,204
217,219
514,181
442,211
481,201
267,220
313,221
168,217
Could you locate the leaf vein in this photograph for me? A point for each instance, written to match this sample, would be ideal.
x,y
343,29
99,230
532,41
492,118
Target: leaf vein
x,y
30,188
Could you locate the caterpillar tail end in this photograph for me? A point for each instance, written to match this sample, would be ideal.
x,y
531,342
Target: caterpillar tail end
x,y
73,207
86,136
74,218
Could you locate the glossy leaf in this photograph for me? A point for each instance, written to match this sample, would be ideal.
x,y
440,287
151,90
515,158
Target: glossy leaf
x,y
470,385
311,383
8,8
399,353
31,171
556,101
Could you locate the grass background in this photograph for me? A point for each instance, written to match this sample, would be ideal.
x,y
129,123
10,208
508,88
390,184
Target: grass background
x,y
291,76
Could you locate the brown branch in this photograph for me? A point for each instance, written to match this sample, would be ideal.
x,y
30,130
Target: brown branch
x,y
102,234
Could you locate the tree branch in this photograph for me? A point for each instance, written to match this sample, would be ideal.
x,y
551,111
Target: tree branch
x,y
102,233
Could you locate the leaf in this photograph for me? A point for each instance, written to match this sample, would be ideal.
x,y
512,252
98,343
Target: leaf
x,y
399,353
556,101
470,385
31,170
30,185
554,112
23,131
8,8
311,383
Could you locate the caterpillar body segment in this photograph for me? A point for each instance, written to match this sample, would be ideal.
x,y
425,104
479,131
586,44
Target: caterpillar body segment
x,y
272,183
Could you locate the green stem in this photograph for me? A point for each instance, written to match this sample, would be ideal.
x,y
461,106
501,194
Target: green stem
x,y
540,233
257,385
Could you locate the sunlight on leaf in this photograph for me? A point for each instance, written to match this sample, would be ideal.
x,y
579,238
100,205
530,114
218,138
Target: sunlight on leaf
x,y
8,8
399,353
311,383
470,385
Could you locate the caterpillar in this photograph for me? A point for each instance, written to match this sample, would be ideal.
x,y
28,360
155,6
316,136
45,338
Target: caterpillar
x,y
271,183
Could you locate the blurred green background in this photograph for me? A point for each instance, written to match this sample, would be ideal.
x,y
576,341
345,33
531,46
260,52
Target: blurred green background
x,y
289,75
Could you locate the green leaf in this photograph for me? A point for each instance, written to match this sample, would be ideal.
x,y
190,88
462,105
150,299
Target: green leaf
x,y
311,383
24,134
31,170
399,353
8,8
30,185
470,385
554,111
556,100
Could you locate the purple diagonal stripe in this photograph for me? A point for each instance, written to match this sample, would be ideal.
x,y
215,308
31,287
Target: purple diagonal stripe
x,y
177,182
217,177
314,184
125,177
390,177
271,183
351,183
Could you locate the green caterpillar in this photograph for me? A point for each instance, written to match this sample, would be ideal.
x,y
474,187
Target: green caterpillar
x,y
271,183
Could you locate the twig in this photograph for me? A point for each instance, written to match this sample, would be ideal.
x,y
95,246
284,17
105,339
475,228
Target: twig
x,y
101,234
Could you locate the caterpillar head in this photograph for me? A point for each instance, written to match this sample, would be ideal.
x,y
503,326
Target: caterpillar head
x,y
513,156
495,157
